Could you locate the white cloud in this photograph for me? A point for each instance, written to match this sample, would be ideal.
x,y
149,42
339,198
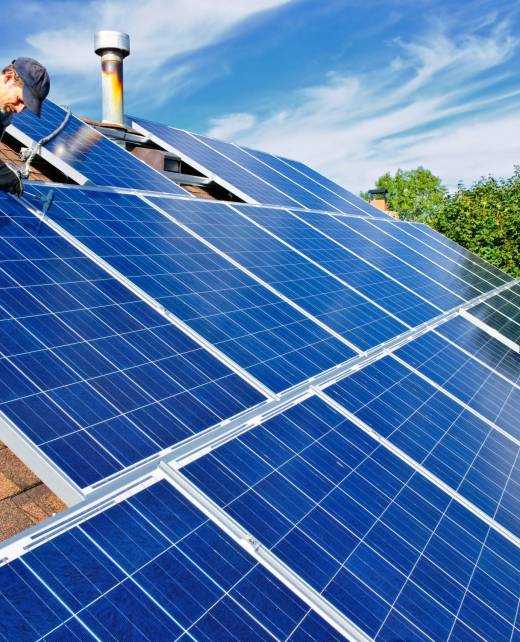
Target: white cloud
x,y
353,129
230,125
159,30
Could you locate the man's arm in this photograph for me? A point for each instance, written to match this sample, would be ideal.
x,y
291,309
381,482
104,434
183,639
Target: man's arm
x,y
10,181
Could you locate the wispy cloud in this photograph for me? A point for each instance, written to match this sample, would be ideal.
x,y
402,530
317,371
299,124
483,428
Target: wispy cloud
x,y
419,109
160,30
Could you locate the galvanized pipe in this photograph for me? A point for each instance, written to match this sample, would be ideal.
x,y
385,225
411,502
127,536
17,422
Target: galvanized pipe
x,y
113,47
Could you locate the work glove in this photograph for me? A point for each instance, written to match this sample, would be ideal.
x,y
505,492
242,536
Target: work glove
x,y
10,180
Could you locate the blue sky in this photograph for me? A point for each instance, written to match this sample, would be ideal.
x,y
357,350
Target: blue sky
x,y
354,88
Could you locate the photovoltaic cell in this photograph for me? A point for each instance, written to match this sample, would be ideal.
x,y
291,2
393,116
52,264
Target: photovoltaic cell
x,y
341,261
483,347
90,373
151,568
340,308
389,549
90,153
502,313
460,449
474,384
269,338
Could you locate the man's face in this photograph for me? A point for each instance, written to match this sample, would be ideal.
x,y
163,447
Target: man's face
x,y
11,95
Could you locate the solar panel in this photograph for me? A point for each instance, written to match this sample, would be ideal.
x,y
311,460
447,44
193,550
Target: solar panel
x,y
450,442
329,244
472,274
84,154
482,389
256,176
90,374
434,285
455,278
153,567
427,236
502,313
334,303
392,551
270,339
483,347
360,205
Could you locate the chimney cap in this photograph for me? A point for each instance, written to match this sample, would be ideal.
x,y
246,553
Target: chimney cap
x,y
118,40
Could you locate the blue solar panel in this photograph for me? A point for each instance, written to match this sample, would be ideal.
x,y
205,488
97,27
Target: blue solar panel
x,y
214,163
460,449
461,257
455,277
320,294
389,549
484,347
269,338
460,374
90,153
351,205
273,177
473,274
361,206
151,568
89,372
257,175
378,252
446,243
340,260
502,313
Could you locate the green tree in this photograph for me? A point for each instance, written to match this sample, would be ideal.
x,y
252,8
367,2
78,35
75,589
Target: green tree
x,y
485,218
414,194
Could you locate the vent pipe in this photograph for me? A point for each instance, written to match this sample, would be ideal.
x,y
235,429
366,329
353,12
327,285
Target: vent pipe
x,y
113,47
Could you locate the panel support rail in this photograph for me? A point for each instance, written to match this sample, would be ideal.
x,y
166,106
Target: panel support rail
x,y
266,558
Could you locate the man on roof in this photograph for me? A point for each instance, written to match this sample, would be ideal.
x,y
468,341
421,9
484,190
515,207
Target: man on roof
x,y
23,84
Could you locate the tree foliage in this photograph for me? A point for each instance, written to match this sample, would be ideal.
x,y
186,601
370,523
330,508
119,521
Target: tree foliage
x,y
414,194
484,218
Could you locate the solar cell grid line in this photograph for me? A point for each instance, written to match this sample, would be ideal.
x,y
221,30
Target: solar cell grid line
x,y
487,270
90,374
480,464
321,295
333,201
444,275
271,341
382,258
341,261
272,176
210,162
466,270
393,552
474,384
484,347
360,204
422,229
151,567
87,152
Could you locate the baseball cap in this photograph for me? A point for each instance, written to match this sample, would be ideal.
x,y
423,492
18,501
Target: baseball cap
x,y
36,83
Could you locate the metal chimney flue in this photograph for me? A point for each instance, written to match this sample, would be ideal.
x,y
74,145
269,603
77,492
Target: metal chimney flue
x,y
113,47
